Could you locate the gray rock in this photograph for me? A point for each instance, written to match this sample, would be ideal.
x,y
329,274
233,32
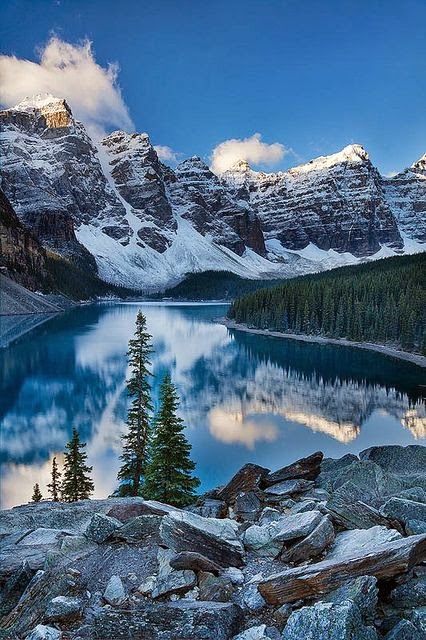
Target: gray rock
x,y
361,540
289,487
254,633
327,620
348,508
248,478
362,591
147,586
42,632
101,527
305,468
170,580
166,621
139,528
71,545
210,508
269,515
269,539
404,510
235,575
409,594
418,618
195,562
313,545
215,588
42,536
409,463
114,593
415,527
247,506
213,538
418,494
250,598
14,587
281,615
331,468
304,505
404,630
63,609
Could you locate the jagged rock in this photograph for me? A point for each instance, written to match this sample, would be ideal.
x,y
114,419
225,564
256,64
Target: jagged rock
x,y
41,536
235,575
114,593
269,539
247,506
147,586
282,614
247,479
76,544
359,540
214,588
195,562
254,633
268,515
63,609
14,587
404,630
331,468
409,594
42,632
313,545
198,620
213,538
289,488
362,591
304,505
404,510
408,463
418,494
250,597
134,507
327,620
306,468
139,528
102,527
170,580
382,561
211,508
415,527
418,618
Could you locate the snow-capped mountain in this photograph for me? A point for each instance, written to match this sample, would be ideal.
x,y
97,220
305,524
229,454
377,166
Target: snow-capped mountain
x,y
116,208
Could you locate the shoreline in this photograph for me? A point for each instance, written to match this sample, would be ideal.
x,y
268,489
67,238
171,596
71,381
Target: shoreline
x,y
392,352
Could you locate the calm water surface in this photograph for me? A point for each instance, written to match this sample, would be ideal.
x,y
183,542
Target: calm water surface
x,y
244,397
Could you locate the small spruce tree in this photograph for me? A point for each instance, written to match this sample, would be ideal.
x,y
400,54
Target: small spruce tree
x,y
169,476
36,493
135,441
76,484
55,485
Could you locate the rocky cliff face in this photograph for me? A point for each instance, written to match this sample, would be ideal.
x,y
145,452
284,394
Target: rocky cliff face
x,y
21,254
115,207
334,202
405,194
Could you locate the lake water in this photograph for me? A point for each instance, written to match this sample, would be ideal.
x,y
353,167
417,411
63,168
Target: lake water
x,y
244,398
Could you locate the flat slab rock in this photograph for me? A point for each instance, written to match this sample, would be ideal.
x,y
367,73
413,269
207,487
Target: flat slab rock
x,y
289,487
270,538
183,620
305,468
361,541
215,539
381,561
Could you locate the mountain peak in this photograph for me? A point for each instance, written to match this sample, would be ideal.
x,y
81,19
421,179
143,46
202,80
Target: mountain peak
x,y
420,164
241,166
56,111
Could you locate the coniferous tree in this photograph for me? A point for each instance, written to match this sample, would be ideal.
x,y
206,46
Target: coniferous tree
x,y
76,484
135,441
36,497
55,485
169,476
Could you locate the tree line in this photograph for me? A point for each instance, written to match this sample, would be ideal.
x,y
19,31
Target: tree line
x,y
156,461
382,301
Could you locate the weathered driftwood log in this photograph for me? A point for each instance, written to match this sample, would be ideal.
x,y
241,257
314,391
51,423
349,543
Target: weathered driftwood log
x,y
305,468
383,561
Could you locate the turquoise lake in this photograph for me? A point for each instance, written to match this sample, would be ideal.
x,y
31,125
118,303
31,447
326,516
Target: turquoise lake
x,y
244,398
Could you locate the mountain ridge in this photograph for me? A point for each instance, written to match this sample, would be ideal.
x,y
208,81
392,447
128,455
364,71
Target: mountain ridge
x,y
113,207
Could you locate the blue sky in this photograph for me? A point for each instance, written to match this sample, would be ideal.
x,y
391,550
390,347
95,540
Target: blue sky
x,y
313,76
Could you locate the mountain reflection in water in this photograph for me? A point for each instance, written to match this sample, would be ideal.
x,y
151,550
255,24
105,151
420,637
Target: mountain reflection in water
x,y
243,397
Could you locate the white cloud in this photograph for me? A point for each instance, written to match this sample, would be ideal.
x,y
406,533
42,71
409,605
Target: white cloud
x,y
391,174
251,149
166,154
68,71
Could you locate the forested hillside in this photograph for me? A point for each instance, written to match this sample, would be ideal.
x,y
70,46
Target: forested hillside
x,y
382,302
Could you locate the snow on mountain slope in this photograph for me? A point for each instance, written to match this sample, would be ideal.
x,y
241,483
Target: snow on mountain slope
x,y
115,207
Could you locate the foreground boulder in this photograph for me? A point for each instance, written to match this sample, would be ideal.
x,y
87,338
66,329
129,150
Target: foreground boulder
x,y
329,621
305,468
166,621
313,545
246,479
170,580
382,561
270,539
215,539
101,527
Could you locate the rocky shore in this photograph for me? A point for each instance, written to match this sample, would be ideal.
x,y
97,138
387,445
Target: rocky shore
x,y
321,549
393,352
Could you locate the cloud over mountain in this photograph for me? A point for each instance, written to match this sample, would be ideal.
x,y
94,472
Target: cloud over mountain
x,y
251,149
68,71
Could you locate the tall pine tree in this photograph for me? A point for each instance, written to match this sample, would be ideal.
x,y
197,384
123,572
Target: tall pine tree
x,y
55,485
135,441
169,476
36,497
77,484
